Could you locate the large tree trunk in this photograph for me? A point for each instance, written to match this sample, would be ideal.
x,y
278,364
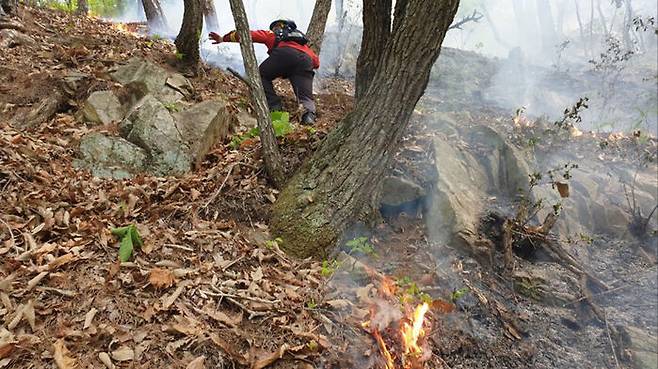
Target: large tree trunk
x,y
154,15
315,32
271,156
210,15
339,185
8,7
187,41
376,32
83,7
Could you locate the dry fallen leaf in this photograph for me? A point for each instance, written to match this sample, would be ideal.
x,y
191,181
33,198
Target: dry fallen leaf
x,y
61,356
123,353
161,278
257,275
105,359
6,349
197,363
562,188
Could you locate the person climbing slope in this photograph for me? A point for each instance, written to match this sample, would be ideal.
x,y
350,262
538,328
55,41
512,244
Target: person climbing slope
x,y
290,57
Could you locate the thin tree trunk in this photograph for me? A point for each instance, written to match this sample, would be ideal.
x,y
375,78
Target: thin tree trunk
x,y
492,25
376,33
210,15
602,17
83,8
591,23
339,185
581,27
315,32
271,155
187,41
338,11
548,34
154,15
628,24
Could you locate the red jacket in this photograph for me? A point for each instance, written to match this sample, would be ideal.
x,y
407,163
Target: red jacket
x,y
268,38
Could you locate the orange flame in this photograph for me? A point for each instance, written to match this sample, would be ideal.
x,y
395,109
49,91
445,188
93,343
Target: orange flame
x,y
122,27
390,364
412,332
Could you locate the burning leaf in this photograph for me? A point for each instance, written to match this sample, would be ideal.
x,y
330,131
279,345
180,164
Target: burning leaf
x,y
197,363
61,356
161,278
562,188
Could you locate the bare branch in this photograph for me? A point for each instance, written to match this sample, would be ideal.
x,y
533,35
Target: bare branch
x,y
475,17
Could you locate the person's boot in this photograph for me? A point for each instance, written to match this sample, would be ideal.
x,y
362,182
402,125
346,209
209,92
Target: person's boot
x,y
308,118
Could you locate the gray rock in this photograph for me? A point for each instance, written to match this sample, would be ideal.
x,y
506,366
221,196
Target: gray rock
x,y
110,157
103,107
643,348
141,78
11,38
151,127
397,191
202,126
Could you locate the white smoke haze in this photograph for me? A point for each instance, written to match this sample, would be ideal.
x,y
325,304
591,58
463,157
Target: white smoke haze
x,y
542,50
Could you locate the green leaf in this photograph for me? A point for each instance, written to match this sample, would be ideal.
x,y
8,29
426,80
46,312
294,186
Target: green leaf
x,y
129,239
135,237
126,249
121,231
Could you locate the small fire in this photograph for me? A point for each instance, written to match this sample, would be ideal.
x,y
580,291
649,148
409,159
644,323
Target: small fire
x,y
412,332
390,364
121,27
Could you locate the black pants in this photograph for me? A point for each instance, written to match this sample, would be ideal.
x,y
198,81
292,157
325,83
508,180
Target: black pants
x,y
294,65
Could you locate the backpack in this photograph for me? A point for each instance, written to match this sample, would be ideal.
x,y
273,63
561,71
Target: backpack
x,y
288,33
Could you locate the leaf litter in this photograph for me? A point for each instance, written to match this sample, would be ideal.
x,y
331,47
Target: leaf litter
x,y
194,289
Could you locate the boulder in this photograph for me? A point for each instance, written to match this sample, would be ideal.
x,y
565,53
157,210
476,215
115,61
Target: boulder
x,y
10,38
110,157
103,107
643,348
143,77
397,191
203,125
152,127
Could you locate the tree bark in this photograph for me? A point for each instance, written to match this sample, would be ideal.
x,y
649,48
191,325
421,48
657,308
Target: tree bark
x,y
83,7
210,15
339,185
271,155
154,15
187,41
315,32
8,7
376,32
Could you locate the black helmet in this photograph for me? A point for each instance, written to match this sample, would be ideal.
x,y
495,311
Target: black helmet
x,y
285,22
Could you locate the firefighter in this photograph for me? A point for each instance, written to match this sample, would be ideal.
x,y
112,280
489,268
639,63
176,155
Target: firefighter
x,y
290,57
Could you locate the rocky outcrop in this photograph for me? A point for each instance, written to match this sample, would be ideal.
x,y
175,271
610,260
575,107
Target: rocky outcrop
x,y
166,135
479,168
110,157
103,107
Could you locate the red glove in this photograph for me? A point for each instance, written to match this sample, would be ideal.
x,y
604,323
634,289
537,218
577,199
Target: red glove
x,y
215,37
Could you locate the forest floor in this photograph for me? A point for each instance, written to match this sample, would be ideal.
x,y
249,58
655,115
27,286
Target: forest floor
x,y
210,287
